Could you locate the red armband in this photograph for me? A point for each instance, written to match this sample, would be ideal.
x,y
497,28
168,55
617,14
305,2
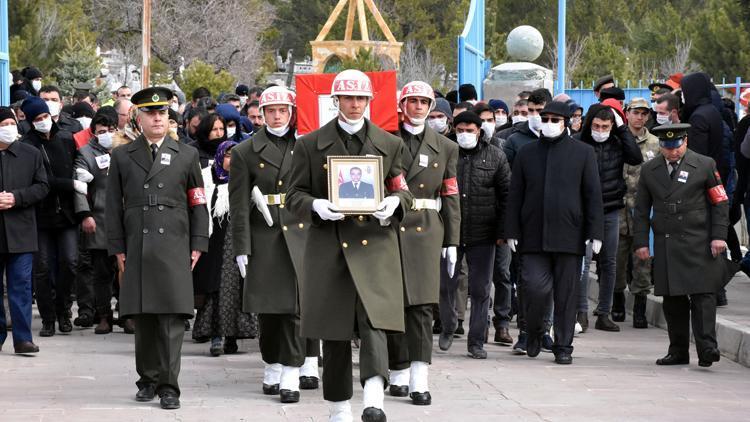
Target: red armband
x,y
717,194
450,187
196,196
396,183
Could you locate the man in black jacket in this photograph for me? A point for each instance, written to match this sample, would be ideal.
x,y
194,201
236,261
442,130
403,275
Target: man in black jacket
x,y
483,177
706,132
58,227
614,147
23,183
554,209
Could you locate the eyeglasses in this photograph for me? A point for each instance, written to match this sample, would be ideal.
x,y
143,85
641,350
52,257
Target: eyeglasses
x,y
551,119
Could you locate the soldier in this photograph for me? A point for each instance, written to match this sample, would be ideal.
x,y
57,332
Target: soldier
x,y
157,226
269,242
352,264
430,160
689,204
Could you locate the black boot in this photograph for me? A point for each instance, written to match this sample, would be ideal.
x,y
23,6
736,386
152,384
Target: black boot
x,y
639,312
618,307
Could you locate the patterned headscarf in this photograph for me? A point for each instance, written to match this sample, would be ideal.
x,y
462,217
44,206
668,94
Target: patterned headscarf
x,y
222,175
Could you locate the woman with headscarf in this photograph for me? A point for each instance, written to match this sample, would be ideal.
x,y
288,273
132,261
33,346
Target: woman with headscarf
x,y
210,133
221,318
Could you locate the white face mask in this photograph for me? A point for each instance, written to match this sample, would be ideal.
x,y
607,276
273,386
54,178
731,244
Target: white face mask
x,y
600,136
85,122
489,129
231,131
175,107
500,120
36,84
414,130
535,123
467,140
653,106
552,130
173,131
44,126
662,119
243,100
439,124
519,119
54,108
416,122
105,140
8,134
281,131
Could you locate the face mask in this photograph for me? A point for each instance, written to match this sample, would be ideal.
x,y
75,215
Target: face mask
x,y
518,119
467,140
105,140
84,121
662,119
439,124
653,106
243,100
535,123
414,130
54,108
500,120
600,136
231,131
175,107
37,85
281,131
173,131
575,121
8,134
44,126
552,130
417,122
489,129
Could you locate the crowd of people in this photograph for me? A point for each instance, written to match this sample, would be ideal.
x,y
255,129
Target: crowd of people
x,y
151,207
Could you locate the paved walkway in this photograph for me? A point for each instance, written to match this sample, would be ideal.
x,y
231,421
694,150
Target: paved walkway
x,y
85,377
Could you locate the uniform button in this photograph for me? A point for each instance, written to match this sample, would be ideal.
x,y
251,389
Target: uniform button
x,y
345,245
161,230
145,231
361,218
145,208
435,165
300,225
667,235
281,206
679,201
161,207
421,186
145,186
285,228
679,218
403,229
419,229
160,185
463,195
325,166
281,182
261,165
364,243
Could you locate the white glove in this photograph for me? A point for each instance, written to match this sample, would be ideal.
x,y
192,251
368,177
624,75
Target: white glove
x,y
450,254
83,175
386,208
242,264
262,205
326,210
618,119
80,187
596,245
512,243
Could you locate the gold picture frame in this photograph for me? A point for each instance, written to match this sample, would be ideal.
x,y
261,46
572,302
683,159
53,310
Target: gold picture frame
x,y
355,183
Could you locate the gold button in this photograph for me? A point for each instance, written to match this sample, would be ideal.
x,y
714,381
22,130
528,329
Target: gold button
x,y
419,229
361,218
403,229
300,225
364,243
435,165
284,228
345,245
281,206
325,166
262,165
421,186
281,182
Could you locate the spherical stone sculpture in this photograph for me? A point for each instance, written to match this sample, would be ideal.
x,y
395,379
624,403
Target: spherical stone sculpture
x,y
525,43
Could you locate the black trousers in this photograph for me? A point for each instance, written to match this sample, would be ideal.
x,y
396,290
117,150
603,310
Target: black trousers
x,y
552,275
279,339
415,344
55,270
84,282
312,348
104,272
679,311
158,350
337,358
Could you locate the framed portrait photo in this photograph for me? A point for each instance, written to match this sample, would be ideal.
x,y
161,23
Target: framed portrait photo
x,y
355,183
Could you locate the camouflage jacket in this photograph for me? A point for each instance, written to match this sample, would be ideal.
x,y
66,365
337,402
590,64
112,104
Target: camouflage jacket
x,y
649,145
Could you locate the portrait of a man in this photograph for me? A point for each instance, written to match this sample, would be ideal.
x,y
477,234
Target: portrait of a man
x,y
356,188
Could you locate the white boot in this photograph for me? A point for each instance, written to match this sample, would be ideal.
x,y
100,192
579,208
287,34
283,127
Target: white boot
x,y
310,368
399,377
418,381
272,374
340,411
374,392
289,378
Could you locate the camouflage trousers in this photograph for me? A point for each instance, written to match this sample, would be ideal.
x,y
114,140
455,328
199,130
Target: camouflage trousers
x,y
631,271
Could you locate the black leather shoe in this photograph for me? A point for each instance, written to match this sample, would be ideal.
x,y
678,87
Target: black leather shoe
x,y
84,321
618,307
460,329
25,347
445,341
169,401
421,399
670,359
437,327
639,311
373,414
398,390
270,390
129,326
230,346
308,383
476,352
605,324
289,396
48,329
146,393
64,325
563,359
709,356
533,345
583,319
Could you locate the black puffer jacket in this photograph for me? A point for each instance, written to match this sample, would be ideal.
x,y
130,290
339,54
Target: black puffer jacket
x,y
483,180
611,155
706,132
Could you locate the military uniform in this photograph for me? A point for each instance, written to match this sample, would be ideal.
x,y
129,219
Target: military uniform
x,y
156,215
689,211
352,272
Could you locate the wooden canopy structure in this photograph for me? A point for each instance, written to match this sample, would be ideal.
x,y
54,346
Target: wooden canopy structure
x,y
325,52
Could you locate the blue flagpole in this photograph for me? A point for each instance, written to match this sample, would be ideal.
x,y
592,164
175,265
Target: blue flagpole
x,y
561,13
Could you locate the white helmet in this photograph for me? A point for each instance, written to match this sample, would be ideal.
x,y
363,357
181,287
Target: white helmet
x,y
417,89
352,82
276,95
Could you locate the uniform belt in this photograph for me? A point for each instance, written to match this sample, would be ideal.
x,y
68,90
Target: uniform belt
x,y
675,208
278,199
153,201
426,204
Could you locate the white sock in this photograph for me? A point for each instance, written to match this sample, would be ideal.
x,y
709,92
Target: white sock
x,y
272,374
340,411
399,377
374,392
289,378
418,381
310,367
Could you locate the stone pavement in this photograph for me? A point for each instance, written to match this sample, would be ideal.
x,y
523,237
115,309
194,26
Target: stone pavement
x,y
85,377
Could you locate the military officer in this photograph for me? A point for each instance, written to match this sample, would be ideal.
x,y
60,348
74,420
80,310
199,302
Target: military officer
x,y
269,241
352,264
157,226
690,219
433,223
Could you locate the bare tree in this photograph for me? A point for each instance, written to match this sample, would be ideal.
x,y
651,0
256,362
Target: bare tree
x,y
680,62
573,53
416,64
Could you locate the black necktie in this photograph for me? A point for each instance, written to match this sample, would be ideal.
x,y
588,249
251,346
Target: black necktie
x,y
154,148
673,168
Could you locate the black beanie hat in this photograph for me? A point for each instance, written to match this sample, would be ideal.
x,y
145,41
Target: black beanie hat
x,y
6,113
557,107
467,117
